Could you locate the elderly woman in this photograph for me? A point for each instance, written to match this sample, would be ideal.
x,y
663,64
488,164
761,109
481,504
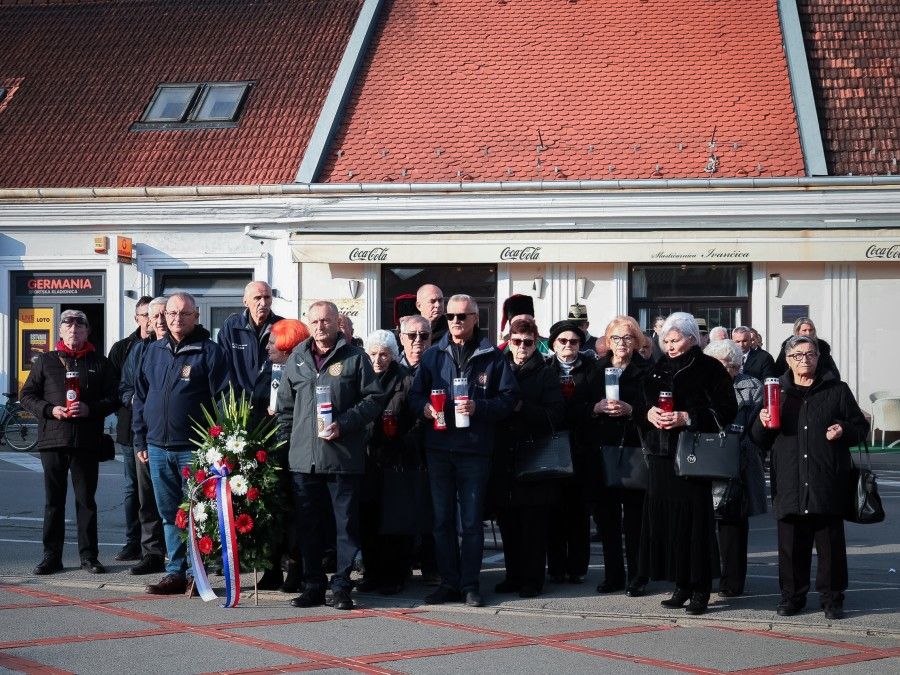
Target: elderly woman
x,y
678,541
623,336
734,530
386,557
569,545
804,326
523,506
820,422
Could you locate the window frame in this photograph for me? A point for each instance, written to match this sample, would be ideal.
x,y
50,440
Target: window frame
x,y
189,119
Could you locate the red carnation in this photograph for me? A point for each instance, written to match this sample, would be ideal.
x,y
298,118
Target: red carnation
x,y
261,456
186,472
181,519
205,544
229,464
216,431
253,494
244,523
210,489
200,476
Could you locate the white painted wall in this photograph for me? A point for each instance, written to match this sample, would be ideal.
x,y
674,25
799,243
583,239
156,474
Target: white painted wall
x,y
879,326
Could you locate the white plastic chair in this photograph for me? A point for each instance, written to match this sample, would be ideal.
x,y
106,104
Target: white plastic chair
x,y
886,416
875,395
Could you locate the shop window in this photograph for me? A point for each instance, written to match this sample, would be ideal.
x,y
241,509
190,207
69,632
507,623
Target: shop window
x,y
218,294
194,105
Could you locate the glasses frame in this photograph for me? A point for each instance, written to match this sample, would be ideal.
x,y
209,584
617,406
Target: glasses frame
x,y
183,315
527,342
77,320
569,341
802,356
618,339
450,316
421,336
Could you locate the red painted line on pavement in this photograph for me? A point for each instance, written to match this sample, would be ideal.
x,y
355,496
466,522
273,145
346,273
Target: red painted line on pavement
x,y
604,632
94,637
69,603
825,662
444,650
820,642
282,621
17,663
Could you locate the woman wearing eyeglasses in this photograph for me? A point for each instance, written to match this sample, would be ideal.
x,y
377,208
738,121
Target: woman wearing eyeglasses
x,y
523,506
569,541
819,422
617,423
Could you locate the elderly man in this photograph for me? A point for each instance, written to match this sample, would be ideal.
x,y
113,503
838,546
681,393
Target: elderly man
x,y
327,465
153,543
345,323
69,436
415,338
179,376
459,459
718,333
430,303
578,314
758,363
244,338
131,502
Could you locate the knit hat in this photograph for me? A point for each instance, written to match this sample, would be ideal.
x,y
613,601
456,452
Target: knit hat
x,y
404,305
515,305
578,313
564,326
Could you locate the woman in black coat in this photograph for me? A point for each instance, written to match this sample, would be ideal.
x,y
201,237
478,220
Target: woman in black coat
x,y
569,546
620,510
820,421
523,506
678,540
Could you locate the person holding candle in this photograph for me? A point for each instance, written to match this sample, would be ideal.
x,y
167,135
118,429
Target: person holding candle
x,y
581,383
459,459
69,433
678,540
620,511
820,422
734,529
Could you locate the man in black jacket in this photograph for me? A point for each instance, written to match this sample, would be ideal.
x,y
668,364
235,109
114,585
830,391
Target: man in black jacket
x,y
130,504
758,363
69,435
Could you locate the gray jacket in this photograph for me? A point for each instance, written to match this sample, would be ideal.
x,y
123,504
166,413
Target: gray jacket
x,y
356,398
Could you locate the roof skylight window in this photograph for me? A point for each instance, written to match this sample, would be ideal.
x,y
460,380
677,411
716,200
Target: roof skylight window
x,y
200,105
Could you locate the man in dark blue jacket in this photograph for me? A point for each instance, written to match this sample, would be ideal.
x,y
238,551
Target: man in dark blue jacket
x,y
459,458
178,376
244,338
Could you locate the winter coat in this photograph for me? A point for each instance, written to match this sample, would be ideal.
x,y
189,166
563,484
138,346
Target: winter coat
x,y
491,385
45,388
611,430
176,380
749,393
760,364
826,362
700,386
118,356
356,398
130,371
248,358
809,472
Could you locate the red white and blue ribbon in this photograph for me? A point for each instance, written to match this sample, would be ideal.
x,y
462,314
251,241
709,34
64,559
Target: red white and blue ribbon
x,y
227,536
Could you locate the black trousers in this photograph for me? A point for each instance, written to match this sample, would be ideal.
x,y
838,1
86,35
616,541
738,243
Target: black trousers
x,y
311,490
387,557
85,470
619,513
733,536
796,537
524,532
569,538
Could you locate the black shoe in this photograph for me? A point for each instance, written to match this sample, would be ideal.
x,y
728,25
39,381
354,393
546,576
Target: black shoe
x,y
171,584
309,599
610,587
367,585
271,580
507,586
834,612
93,566
473,599
291,579
678,599
698,604
790,607
129,552
636,589
442,595
342,600
150,564
729,593
529,591
49,565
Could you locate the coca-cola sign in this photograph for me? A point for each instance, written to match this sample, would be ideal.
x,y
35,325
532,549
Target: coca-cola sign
x,y
521,254
374,254
891,252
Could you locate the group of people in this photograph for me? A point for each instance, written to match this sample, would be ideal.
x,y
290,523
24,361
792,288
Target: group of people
x,y
467,445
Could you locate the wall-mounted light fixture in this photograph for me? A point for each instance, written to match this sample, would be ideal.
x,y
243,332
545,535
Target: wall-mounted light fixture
x,y
354,288
581,288
778,284
538,286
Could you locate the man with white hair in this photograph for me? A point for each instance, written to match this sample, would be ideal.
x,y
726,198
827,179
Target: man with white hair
x,y
758,363
718,333
415,338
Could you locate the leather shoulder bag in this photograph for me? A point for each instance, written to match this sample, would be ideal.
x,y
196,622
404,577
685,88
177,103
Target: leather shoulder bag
x,y
702,454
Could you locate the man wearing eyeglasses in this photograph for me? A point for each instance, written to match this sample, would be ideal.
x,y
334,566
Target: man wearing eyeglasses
x,y
69,436
178,376
415,338
459,459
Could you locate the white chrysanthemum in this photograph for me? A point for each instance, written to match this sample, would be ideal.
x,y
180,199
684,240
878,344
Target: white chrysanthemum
x,y
239,484
213,456
199,513
235,444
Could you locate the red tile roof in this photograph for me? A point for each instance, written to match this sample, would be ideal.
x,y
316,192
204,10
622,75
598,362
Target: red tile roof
x,y
87,70
854,58
516,90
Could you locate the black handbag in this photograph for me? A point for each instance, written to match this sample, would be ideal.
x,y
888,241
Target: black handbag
x,y
708,455
544,457
106,452
729,500
405,501
863,501
624,466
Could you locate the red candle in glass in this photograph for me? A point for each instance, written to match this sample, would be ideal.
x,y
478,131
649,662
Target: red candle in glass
x,y
773,402
666,402
73,390
438,401
568,386
389,424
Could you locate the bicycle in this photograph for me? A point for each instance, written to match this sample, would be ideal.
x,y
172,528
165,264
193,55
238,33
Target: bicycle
x,y
18,427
